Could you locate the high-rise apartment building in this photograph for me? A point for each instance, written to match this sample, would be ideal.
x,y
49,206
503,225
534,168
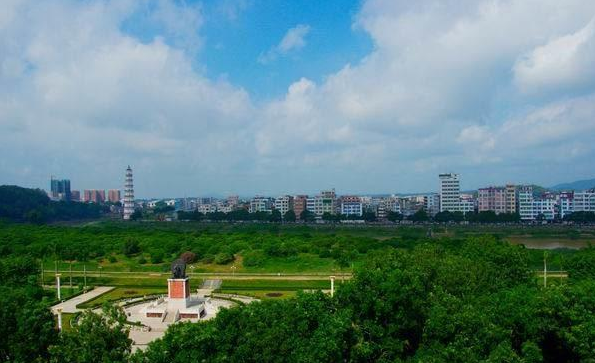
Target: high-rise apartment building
x,y
450,192
510,199
113,195
60,189
525,197
128,194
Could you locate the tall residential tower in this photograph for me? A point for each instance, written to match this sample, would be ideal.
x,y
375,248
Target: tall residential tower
x,y
128,195
450,192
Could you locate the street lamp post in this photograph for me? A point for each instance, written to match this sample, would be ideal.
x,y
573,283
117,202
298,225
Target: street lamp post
x,y
332,286
233,270
58,286
59,310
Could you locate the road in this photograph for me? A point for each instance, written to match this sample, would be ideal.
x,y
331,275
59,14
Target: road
x,y
206,275
69,306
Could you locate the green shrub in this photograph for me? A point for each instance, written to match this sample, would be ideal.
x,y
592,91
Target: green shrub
x,y
254,258
223,258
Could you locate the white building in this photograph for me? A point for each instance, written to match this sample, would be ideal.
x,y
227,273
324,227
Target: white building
x,y
322,203
544,207
525,199
450,192
284,203
584,201
531,208
467,204
260,204
566,203
432,203
351,208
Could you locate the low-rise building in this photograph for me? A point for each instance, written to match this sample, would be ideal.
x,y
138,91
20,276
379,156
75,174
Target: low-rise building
x,y
299,205
260,204
351,205
284,203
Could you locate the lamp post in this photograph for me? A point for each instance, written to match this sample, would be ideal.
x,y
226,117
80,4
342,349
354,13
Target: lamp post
x,y
59,310
99,271
84,277
58,286
233,270
332,286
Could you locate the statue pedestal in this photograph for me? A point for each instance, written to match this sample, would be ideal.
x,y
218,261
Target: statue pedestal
x,y
178,293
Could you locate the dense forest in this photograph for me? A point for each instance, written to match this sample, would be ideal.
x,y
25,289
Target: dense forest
x,y
33,205
475,300
456,297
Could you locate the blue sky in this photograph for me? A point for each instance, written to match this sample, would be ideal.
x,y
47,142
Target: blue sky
x,y
271,97
232,43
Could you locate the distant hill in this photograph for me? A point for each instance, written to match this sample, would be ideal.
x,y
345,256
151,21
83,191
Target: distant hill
x,y
33,205
577,185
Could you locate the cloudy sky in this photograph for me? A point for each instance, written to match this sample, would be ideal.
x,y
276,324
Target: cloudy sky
x,y
273,96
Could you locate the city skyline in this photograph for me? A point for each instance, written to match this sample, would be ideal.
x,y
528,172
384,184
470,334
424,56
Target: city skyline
x,y
271,97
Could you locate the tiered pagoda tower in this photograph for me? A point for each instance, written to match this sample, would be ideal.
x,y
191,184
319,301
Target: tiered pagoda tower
x,y
128,195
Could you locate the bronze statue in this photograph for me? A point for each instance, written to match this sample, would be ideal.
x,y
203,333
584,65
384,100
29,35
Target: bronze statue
x,y
178,269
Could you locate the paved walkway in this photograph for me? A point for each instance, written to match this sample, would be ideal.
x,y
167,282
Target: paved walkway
x,y
69,306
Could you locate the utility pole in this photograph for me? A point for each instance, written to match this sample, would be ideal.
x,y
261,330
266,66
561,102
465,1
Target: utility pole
x,y
71,275
85,277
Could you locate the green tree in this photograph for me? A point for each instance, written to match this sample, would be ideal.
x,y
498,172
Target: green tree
x,y
307,216
131,247
96,338
275,216
289,216
394,216
419,216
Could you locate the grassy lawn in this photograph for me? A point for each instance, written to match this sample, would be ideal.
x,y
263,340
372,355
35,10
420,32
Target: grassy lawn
x,y
272,289
120,293
66,319
65,292
275,285
303,262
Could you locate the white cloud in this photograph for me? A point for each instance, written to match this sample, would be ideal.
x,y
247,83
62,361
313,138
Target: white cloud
x,y
566,61
76,93
293,40
497,90
437,90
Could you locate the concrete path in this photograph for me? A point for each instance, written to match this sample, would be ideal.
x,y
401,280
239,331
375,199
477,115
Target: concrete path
x,y
69,306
